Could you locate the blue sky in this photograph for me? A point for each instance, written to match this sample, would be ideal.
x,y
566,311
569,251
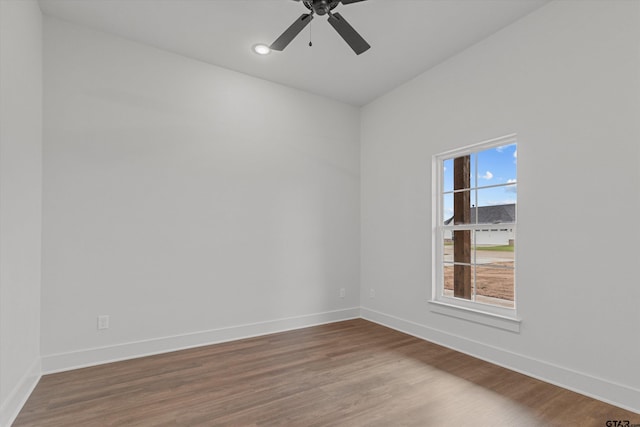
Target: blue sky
x,y
494,166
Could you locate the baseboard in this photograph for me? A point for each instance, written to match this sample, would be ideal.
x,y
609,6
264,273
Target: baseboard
x,y
613,393
19,395
96,356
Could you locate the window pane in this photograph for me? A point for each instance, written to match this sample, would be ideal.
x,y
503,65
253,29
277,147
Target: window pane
x,y
496,205
447,249
457,246
474,175
462,207
463,281
496,255
447,171
448,280
495,243
463,172
447,209
448,168
495,285
497,165
457,268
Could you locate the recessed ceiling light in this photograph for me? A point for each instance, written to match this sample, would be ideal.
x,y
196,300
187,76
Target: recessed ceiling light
x,y
261,49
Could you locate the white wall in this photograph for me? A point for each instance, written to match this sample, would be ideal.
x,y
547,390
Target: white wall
x,y
566,79
181,198
20,201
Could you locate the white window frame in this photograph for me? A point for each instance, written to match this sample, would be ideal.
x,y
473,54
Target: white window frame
x,y
492,315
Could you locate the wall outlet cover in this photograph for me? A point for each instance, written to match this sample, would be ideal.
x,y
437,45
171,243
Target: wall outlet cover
x,y
103,321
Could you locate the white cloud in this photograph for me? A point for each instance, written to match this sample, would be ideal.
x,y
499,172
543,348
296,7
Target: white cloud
x,y
511,181
515,154
487,175
504,147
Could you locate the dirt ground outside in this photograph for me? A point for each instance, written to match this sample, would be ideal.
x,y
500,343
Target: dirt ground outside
x,y
494,275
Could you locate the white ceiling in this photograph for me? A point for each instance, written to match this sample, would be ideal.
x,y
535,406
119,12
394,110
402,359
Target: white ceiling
x,y
407,36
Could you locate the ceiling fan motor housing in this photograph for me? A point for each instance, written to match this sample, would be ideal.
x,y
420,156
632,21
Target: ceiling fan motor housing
x,y
321,7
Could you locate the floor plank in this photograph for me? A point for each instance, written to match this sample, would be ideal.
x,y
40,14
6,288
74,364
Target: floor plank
x,y
351,373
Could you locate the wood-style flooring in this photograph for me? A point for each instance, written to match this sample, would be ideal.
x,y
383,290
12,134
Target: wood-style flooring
x,y
352,373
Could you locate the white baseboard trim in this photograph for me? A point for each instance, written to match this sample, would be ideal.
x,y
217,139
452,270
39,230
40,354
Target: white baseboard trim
x,y
12,406
620,395
96,356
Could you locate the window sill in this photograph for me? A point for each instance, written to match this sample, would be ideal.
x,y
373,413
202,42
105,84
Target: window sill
x,y
506,323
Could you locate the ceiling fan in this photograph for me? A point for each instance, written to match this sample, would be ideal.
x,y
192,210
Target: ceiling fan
x,y
320,8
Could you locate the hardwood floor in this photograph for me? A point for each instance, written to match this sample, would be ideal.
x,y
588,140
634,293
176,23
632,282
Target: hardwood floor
x,y
351,373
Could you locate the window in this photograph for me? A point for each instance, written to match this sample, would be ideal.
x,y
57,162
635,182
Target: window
x,y
475,200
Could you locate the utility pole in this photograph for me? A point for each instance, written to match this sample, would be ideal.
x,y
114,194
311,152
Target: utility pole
x,y
462,238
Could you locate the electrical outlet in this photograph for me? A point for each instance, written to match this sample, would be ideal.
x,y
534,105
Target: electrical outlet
x,y
103,321
342,292
372,293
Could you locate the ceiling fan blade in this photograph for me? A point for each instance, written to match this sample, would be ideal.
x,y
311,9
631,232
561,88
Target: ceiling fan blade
x,y
350,1
346,31
291,32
